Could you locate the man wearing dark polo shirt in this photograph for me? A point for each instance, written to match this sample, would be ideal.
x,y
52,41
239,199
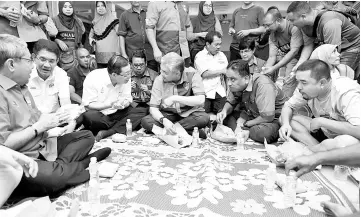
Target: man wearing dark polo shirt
x,y
333,28
164,19
77,75
246,24
177,96
132,34
62,162
261,98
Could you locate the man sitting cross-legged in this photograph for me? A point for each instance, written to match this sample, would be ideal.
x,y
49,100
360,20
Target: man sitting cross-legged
x,y
24,129
335,105
260,99
177,96
107,95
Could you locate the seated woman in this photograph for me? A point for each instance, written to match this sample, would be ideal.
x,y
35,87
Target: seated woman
x,y
329,54
260,98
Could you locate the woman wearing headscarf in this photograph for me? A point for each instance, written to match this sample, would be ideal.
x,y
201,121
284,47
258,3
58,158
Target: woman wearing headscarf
x,y
70,32
205,22
103,34
329,54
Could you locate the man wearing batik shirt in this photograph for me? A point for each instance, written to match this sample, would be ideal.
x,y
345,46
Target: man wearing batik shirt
x,y
177,96
142,80
335,105
262,101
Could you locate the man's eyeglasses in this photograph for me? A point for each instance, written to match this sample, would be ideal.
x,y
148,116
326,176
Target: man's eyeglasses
x,y
44,60
268,25
30,61
140,65
245,51
208,6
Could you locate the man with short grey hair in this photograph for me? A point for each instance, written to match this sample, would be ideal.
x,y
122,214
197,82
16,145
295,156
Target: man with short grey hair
x,y
177,96
24,129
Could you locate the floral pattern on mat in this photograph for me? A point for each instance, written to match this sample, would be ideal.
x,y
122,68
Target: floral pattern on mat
x,y
210,179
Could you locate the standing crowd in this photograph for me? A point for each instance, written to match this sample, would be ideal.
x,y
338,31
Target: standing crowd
x,y
295,76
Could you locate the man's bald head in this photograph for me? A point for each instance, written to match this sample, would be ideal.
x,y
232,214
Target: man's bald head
x,y
83,57
273,14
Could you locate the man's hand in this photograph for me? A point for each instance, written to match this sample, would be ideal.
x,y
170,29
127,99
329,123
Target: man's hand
x,y
231,31
169,126
12,14
70,128
56,132
49,121
243,33
240,122
334,209
157,55
285,132
32,17
17,160
302,164
294,69
202,34
62,45
316,124
221,116
267,70
169,101
144,87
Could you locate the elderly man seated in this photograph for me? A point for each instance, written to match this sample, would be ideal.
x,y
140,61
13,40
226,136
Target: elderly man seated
x,y
24,129
177,96
335,105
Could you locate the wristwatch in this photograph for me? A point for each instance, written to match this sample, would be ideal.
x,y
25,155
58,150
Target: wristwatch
x,y
161,120
245,124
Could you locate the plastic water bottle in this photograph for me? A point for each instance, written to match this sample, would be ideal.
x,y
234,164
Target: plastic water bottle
x,y
271,176
240,138
195,136
93,190
289,191
340,172
129,127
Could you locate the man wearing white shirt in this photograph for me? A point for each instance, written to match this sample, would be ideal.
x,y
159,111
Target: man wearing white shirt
x,y
212,64
107,95
48,84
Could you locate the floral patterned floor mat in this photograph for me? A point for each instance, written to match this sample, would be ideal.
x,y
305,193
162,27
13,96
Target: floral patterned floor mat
x,y
212,179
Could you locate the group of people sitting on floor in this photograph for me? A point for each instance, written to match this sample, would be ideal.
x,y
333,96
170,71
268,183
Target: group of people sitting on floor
x,y
318,103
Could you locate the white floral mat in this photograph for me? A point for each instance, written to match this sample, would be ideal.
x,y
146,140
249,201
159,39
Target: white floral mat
x,y
212,179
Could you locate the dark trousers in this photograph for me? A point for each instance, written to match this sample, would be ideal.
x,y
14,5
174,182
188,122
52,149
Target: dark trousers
x,y
153,64
352,59
102,65
234,54
214,105
196,119
66,171
257,132
96,121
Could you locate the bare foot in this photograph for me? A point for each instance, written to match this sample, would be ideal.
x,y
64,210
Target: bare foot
x,y
333,209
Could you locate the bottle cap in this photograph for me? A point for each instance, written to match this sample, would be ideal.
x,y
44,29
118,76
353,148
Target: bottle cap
x,y
93,160
196,128
128,120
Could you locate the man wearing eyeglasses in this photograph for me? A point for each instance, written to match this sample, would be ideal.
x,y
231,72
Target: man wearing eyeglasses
x,y
285,46
23,128
48,84
108,98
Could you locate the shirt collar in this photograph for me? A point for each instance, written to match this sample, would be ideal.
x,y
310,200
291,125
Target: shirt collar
x,y
255,61
6,82
146,73
80,70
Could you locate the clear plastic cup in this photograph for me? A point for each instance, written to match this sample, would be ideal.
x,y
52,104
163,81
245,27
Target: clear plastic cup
x,y
341,172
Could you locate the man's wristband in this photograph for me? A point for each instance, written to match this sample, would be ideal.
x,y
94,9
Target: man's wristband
x,y
36,132
245,124
161,120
